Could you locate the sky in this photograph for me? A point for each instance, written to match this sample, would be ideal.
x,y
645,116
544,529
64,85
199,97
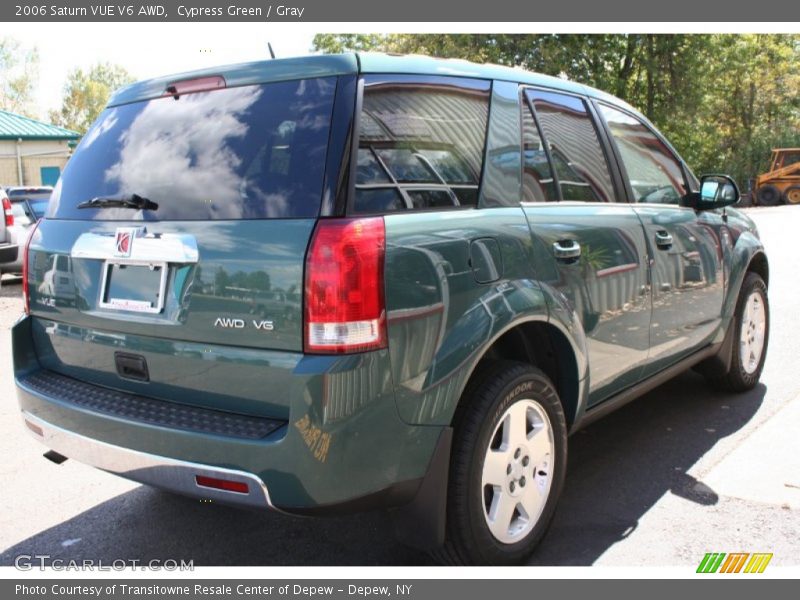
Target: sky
x,y
149,50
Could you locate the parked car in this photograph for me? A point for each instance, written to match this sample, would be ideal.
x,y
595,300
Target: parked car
x,y
8,247
33,199
23,206
488,260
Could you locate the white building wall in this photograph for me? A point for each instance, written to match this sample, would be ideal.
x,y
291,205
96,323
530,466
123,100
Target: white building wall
x,y
35,155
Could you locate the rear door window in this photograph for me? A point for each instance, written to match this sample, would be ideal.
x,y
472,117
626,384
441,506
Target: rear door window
x,y
578,159
250,152
421,143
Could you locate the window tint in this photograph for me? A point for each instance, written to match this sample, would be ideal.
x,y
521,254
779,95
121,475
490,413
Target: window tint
x,y
578,158
538,184
249,152
421,143
654,173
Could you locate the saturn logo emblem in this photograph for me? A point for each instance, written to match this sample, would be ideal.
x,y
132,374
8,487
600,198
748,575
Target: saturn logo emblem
x,y
124,242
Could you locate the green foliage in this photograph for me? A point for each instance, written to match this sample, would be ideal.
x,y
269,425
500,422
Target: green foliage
x,y
723,100
19,74
86,94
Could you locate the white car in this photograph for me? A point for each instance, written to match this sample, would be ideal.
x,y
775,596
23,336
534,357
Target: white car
x,y
22,207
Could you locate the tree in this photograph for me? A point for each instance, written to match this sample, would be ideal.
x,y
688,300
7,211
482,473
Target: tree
x,y
723,100
86,94
19,75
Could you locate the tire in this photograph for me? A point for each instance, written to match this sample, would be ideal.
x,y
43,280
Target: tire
x,y
529,470
751,337
792,195
769,195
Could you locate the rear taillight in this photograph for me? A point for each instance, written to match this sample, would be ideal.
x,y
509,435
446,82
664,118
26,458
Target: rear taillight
x,y
25,271
344,303
8,212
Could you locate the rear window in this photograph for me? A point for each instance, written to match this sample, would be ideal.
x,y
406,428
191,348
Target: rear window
x,y
251,152
35,203
39,205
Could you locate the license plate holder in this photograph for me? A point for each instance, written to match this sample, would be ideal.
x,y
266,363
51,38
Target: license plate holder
x,y
135,286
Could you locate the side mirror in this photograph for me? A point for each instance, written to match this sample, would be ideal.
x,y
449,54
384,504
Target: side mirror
x,y
716,191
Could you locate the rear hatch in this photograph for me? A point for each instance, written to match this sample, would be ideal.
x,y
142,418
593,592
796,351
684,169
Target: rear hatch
x,y
177,235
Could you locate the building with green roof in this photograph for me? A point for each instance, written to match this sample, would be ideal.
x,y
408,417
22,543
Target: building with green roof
x,y
32,152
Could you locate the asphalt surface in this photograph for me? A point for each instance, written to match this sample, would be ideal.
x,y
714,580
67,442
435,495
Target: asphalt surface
x,y
680,472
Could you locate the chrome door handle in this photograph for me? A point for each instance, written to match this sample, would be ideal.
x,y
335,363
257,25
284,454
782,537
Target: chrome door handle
x,y
566,249
663,240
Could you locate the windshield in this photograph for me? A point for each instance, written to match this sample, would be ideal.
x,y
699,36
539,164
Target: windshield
x,y
250,152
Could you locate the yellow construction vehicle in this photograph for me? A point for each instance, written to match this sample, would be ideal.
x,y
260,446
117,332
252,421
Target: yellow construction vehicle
x,y
782,182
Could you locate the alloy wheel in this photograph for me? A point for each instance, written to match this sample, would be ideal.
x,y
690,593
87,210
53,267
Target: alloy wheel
x,y
753,333
517,471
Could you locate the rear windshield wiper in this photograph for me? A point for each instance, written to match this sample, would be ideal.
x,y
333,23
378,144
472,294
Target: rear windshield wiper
x,y
132,201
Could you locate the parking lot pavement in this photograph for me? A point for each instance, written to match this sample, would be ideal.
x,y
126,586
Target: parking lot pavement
x,y
683,471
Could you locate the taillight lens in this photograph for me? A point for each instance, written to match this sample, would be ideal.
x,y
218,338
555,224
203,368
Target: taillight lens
x,y
25,271
344,303
8,212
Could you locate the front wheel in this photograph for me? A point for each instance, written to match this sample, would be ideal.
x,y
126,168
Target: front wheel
x,y
751,336
507,468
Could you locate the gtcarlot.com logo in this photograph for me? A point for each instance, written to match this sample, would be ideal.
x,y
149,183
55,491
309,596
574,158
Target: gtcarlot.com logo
x,y
734,562
27,562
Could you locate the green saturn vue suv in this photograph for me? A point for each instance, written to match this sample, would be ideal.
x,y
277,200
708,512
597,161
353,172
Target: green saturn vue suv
x,y
347,282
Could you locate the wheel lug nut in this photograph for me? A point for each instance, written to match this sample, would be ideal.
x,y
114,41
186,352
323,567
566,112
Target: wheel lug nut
x,y
522,482
525,461
511,486
508,470
516,454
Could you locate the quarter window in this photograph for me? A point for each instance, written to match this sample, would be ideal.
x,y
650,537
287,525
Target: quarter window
x,y
421,144
654,173
578,159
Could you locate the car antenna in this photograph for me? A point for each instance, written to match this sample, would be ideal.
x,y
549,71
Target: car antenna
x,y
271,51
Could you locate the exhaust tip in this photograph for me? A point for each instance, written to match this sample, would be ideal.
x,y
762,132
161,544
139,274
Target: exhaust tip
x,y
55,457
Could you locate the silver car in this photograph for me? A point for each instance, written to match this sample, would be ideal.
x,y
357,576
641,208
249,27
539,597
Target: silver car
x,y
22,207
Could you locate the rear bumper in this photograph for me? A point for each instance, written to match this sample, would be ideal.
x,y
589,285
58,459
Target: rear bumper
x,y
159,471
338,448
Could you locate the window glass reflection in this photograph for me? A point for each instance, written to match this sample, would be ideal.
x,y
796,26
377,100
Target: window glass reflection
x,y
654,173
579,160
247,152
420,144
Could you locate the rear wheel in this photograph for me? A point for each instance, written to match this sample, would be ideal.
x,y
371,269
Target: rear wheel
x,y
751,336
507,467
792,195
769,195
